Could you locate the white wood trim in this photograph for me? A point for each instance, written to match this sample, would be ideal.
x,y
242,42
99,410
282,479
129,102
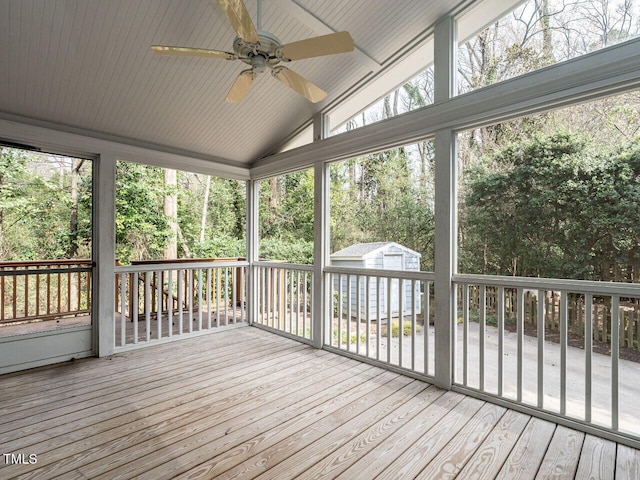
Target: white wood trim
x,y
612,70
74,141
376,272
292,8
446,232
159,267
556,284
104,247
321,288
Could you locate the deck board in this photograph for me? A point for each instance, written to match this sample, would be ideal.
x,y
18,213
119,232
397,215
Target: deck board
x,y
244,403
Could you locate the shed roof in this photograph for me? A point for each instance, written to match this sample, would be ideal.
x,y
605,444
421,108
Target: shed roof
x,y
362,250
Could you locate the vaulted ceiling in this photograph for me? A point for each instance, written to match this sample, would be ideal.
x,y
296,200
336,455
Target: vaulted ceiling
x,y
87,64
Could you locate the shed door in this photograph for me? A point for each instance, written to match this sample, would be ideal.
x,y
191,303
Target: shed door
x,y
394,261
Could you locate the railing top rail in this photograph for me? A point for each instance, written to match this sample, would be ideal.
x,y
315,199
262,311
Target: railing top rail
x,y
376,272
285,265
42,271
576,286
43,263
158,267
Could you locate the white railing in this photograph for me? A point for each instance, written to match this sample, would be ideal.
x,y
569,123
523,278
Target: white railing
x,y
383,315
284,298
552,345
155,302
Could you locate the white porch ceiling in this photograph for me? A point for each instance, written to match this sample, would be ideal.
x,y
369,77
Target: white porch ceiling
x,y
86,64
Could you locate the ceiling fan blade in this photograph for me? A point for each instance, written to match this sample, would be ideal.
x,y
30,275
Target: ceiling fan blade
x,y
240,86
340,42
239,19
300,84
192,52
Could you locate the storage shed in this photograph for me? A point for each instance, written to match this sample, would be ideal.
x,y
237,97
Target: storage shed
x,y
382,256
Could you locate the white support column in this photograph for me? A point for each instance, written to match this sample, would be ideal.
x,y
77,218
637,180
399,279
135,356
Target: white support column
x,y
321,291
253,195
445,207
104,240
321,238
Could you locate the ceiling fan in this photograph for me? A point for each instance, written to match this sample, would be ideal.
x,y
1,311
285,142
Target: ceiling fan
x,y
262,50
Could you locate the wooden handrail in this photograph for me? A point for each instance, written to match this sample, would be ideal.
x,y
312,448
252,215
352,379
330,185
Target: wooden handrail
x,y
43,263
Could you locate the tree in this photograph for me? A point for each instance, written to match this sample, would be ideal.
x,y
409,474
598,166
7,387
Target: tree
x,y
557,207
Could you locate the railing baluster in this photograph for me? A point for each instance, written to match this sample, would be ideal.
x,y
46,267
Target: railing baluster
x,y
500,340
189,297
541,314
38,294
123,299
615,355
135,288
465,334
234,280
378,318
367,300
312,318
272,291
482,324
26,296
298,304
389,321
79,275
226,296
263,294
349,313
308,312
218,295
59,288
400,321
199,299
180,302
358,317
147,306
427,322
520,340
413,324
208,298
563,352
340,311
159,281
588,354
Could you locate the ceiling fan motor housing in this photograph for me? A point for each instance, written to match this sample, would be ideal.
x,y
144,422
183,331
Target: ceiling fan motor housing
x,y
259,55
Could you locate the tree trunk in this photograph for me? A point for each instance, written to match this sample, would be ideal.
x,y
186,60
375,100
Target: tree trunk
x,y
205,206
547,40
76,164
171,213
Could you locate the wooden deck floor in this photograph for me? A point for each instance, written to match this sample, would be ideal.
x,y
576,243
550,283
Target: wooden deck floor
x,y
244,403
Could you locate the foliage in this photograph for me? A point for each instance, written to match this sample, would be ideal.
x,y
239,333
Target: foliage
x,y
36,205
141,228
555,207
406,328
383,197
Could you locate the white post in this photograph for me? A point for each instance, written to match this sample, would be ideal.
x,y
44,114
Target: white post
x,y
103,289
253,195
321,292
445,207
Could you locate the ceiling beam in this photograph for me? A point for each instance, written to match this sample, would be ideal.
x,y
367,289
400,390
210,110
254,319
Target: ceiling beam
x,y
290,7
